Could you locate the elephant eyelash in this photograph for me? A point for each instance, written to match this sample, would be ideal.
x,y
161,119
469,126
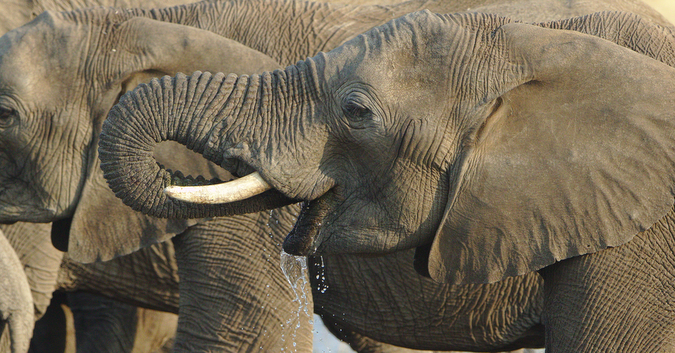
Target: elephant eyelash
x,y
6,115
5,112
355,111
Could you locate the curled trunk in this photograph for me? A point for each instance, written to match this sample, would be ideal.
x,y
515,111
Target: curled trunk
x,y
162,116
228,119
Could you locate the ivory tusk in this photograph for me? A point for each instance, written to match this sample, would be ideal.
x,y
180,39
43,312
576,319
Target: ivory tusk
x,y
231,191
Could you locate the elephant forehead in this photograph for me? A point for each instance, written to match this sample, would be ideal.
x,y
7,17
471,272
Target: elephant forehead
x,y
34,61
390,61
17,63
423,51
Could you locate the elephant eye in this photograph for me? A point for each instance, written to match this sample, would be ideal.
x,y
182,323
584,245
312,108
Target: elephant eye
x,y
6,116
356,112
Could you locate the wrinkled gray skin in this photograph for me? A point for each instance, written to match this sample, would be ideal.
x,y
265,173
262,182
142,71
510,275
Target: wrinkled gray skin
x,y
112,326
43,267
133,280
267,324
16,13
509,317
147,278
16,302
468,137
41,261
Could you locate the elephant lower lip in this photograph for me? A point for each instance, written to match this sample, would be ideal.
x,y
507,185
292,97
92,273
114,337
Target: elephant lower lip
x,y
301,240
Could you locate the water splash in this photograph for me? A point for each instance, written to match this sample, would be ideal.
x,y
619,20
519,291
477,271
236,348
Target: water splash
x,y
295,270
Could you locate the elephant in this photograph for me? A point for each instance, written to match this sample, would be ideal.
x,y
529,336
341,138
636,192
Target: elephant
x,y
210,266
272,318
89,278
495,149
16,302
147,278
41,262
113,326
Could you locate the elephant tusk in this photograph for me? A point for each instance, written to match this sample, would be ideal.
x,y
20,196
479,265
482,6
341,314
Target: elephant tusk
x,y
235,190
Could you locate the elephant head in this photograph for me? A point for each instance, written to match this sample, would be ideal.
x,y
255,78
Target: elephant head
x,y
494,148
59,76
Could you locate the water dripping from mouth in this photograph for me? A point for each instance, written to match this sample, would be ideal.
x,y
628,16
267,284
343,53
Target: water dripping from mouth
x,y
321,284
295,270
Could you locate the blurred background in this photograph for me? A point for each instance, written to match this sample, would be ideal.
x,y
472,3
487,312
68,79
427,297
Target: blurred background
x,y
666,7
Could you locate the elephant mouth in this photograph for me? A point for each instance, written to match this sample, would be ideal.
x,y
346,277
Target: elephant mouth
x,y
304,236
60,234
300,240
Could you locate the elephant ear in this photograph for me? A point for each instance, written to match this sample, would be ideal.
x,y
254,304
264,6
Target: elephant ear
x,y
577,155
102,226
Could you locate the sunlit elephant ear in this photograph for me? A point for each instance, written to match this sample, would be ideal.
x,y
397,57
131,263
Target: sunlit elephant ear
x,y
576,156
102,226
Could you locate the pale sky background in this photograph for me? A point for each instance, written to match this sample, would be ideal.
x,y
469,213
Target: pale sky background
x,y
666,7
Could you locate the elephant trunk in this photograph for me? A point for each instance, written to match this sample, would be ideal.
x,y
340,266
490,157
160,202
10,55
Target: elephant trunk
x,y
16,301
228,119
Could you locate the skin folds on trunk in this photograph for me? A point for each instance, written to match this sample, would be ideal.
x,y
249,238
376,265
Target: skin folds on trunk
x,y
16,301
238,151
222,105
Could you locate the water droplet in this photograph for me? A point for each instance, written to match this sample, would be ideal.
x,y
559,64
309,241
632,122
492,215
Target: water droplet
x,y
295,270
322,286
